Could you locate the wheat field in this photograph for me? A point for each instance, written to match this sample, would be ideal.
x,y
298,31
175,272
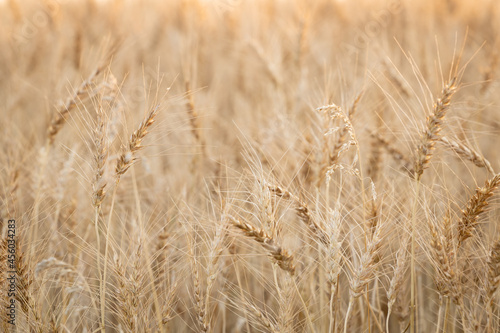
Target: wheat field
x,y
249,166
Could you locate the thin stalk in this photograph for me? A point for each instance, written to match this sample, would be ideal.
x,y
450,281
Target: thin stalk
x,y
36,208
446,314
103,281
306,312
387,320
375,320
146,250
98,255
440,312
333,322
412,259
349,308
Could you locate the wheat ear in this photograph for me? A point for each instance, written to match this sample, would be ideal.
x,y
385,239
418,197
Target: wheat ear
x,y
493,282
398,278
396,154
59,117
302,211
127,157
343,133
281,256
475,207
194,119
431,133
25,294
443,258
129,290
467,153
494,270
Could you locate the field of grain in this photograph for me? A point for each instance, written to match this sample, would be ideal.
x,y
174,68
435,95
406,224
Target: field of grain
x,y
249,166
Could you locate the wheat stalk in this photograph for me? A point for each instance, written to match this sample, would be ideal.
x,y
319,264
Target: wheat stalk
x,y
365,272
334,263
123,163
423,156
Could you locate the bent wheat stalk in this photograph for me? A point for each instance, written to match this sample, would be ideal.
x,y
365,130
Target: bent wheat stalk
x,y
99,184
424,154
125,161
